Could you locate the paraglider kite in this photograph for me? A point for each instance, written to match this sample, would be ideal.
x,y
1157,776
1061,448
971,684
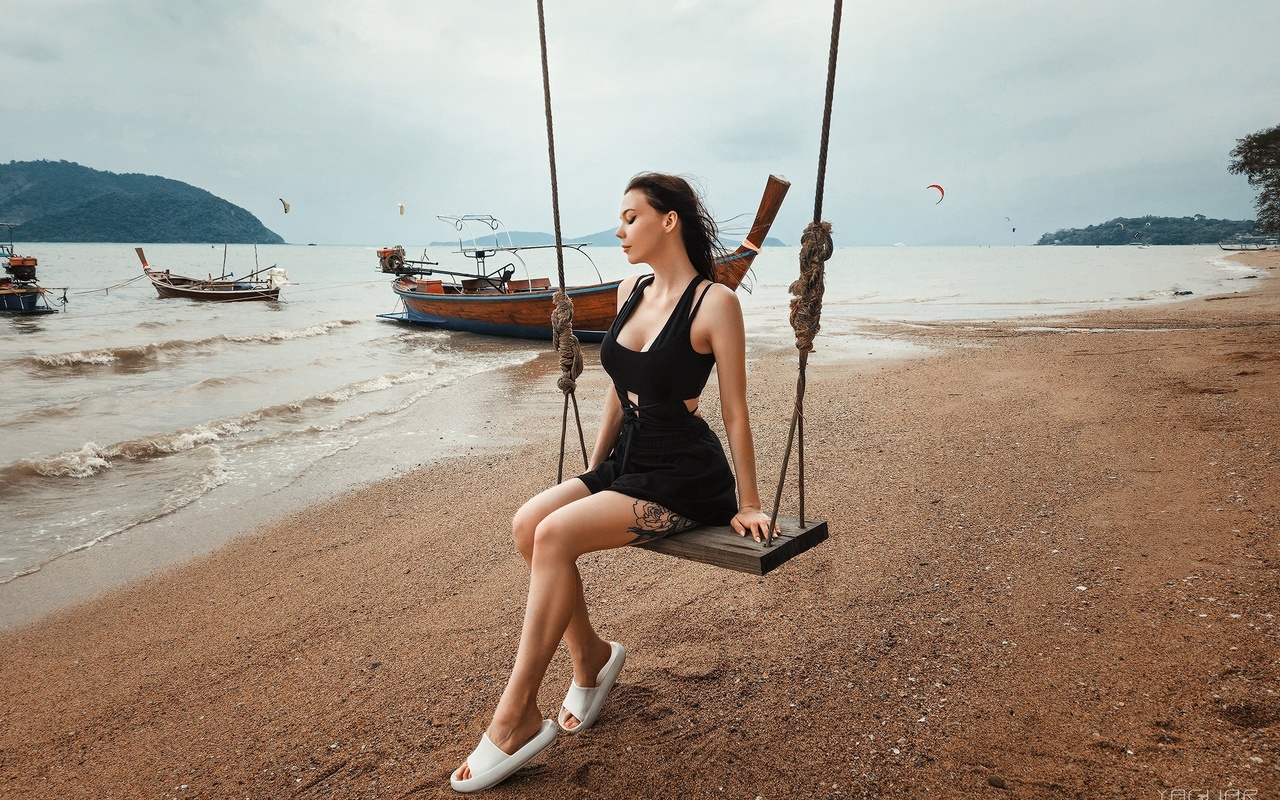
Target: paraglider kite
x,y
941,192
285,203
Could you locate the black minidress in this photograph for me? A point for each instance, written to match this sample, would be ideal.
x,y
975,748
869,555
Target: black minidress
x,y
680,465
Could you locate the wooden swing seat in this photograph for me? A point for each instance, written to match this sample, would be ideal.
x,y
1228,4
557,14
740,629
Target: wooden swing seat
x,y
721,546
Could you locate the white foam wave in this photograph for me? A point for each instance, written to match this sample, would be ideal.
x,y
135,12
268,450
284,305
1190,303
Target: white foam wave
x,y
378,384
78,358
152,350
88,460
93,458
289,335
213,476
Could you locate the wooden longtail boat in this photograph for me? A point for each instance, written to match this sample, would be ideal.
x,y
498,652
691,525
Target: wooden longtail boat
x,y
19,291
223,289
495,303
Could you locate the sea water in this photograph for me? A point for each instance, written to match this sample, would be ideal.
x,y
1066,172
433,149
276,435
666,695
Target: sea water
x,y
131,413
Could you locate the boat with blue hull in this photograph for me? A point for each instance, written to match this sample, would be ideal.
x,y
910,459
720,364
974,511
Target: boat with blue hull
x,y
494,302
489,301
519,309
20,293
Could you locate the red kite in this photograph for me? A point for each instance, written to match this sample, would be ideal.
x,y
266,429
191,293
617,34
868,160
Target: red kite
x,y
941,193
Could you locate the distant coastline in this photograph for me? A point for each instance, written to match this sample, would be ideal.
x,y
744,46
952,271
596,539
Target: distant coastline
x,y
62,201
1196,229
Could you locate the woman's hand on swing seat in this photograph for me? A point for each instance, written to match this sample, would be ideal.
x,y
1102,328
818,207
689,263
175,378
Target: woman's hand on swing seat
x,y
753,522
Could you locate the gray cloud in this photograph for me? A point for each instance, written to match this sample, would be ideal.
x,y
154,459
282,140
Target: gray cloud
x,y
1054,114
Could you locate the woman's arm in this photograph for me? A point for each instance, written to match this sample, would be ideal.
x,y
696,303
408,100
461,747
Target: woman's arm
x,y
721,320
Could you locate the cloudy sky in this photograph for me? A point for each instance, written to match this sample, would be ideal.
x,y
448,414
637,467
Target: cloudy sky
x,y
1053,114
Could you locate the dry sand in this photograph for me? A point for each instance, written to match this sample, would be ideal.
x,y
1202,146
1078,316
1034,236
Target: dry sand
x,y
1052,572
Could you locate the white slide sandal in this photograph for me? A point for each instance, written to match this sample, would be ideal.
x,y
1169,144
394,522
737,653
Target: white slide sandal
x,y
491,766
585,703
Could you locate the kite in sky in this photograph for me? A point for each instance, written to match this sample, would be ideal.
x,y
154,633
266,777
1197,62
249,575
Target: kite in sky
x,y
401,208
941,192
285,203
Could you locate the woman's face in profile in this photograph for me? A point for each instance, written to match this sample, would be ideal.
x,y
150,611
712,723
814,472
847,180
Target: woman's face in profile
x,y
642,227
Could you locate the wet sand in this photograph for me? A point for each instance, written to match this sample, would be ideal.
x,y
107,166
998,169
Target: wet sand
x,y
1052,572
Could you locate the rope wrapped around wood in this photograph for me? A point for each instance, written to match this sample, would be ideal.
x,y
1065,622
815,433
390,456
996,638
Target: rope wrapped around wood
x,y
566,342
816,248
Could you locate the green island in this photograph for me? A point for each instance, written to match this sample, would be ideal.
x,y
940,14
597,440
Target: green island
x,y
62,201
1197,229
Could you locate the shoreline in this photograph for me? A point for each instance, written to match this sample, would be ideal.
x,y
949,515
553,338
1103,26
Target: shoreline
x,y
166,543
1051,565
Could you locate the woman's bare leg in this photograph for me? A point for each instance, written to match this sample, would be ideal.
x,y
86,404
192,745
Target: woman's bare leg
x,y
587,650
586,524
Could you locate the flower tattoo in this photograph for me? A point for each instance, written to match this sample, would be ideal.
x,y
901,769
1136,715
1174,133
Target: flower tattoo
x,y
654,521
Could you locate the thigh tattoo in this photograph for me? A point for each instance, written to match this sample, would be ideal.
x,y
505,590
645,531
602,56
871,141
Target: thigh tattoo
x,y
654,521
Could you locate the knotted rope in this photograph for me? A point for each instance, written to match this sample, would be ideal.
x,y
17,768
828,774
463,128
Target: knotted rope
x,y
816,248
806,301
565,341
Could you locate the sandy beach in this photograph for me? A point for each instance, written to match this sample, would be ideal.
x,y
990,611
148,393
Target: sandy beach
x,y
1052,572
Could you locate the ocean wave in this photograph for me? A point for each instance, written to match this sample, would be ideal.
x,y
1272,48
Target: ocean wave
x,y
104,489
92,357
346,422
300,333
211,477
53,412
220,381
76,518
93,458
378,384
88,460
132,355
389,381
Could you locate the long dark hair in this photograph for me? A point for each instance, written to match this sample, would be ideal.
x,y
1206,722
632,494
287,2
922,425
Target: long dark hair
x,y
697,229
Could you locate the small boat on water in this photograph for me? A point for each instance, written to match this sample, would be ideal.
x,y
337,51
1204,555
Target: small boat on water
x,y
495,302
20,293
225,288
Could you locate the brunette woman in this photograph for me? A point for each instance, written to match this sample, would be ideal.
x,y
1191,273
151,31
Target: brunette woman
x,y
657,467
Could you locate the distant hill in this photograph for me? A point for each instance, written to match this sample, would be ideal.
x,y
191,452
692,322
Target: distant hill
x,y
603,238
61,201
1196,229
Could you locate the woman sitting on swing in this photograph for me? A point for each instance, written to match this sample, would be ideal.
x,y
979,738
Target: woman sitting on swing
x,y
657,468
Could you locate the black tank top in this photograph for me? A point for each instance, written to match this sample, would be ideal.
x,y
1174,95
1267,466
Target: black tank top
x,y
670,371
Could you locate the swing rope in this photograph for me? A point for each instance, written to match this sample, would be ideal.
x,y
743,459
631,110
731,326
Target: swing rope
x,y
816,248
566,343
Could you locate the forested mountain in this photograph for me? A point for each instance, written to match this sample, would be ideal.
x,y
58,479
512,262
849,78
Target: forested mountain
x,y
61,201
1197,229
